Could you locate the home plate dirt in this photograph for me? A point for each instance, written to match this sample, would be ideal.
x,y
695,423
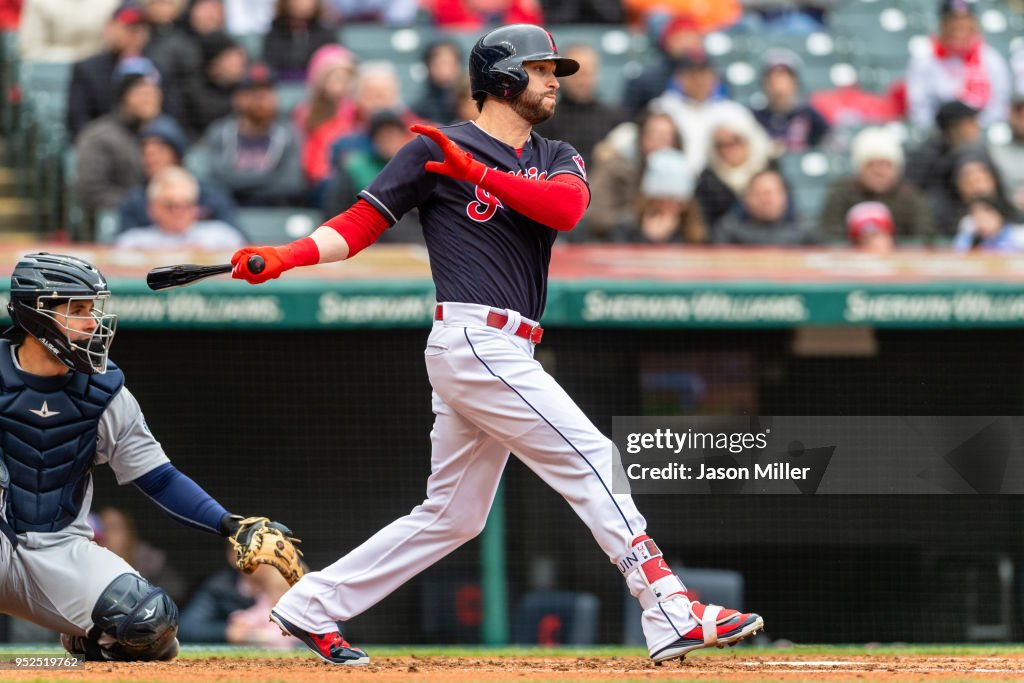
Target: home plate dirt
x,y
732,667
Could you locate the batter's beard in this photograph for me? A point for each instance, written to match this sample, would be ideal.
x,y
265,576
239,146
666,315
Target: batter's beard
x,y
531,108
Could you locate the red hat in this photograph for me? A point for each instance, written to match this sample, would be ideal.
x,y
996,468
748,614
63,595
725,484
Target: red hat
x,y
866,218
128,13
682,22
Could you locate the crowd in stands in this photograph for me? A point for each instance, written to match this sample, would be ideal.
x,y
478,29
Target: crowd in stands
x,y
178,120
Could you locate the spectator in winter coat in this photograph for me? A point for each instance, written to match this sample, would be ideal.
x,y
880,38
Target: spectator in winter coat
x,y
959,65
987,227
619,163
91,92
329,111
172,197
163,146
209,97
108,157
738,149
665,211
761,218
877,156
443,60
792,125
252,154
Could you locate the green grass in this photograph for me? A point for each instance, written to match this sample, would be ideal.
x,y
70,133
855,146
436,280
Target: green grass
x,y
383,650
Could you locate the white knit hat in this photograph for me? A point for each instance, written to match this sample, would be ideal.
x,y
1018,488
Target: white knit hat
x,y
875,143
668,175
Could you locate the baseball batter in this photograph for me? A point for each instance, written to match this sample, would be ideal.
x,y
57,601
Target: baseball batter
x,y
492,197
64,409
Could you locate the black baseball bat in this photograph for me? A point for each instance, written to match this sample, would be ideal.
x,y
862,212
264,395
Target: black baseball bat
x,y
167,277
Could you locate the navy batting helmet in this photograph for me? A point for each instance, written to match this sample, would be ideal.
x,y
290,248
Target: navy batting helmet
x,y
42,282
496,62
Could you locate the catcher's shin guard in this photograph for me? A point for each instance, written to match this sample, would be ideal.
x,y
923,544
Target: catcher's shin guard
x,y
134,621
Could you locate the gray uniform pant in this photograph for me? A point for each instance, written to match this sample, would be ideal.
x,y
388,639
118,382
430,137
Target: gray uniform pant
x,y
54,580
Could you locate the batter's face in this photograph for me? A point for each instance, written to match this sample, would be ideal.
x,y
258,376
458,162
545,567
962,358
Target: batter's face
x,y
537,103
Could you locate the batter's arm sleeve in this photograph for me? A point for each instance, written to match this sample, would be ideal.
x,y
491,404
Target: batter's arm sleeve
x,y
558,203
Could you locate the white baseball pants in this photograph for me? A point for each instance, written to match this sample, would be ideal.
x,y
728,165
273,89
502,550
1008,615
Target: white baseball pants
x,y
490,397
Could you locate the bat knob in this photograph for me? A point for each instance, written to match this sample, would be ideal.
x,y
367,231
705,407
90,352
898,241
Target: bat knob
x,y
256,264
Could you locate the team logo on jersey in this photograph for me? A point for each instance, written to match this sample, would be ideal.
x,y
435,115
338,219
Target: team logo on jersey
x,y
45,411
579,163
483,208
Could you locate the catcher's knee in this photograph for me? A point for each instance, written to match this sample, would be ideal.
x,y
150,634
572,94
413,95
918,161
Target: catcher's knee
x,y
139,618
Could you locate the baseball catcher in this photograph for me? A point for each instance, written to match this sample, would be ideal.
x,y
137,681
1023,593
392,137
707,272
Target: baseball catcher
x,y
64,409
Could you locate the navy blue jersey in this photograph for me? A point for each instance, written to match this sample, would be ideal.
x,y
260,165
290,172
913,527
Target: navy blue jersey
x,y
481,252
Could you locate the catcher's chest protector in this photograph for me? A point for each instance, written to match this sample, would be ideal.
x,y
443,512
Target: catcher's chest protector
x,y
48,428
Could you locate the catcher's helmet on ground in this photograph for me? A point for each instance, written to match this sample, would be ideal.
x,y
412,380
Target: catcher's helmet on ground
x,y
40,283
496,62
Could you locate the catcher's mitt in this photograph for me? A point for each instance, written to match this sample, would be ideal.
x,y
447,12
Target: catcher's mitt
x,y
261,541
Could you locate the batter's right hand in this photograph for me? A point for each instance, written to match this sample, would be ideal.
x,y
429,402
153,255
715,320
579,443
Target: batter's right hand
x,y
275,266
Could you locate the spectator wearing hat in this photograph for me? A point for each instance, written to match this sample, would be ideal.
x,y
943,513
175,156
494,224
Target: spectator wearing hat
x,y
209,97
329,111
695,103
443,61
388,133
1009,157
63,30
164,146
108,156
877,156
665,211
91,91
296,32
762,217
959,65
619,163
678,37
737,149
870,227
252,154
987,227
583,119
172,196
793,125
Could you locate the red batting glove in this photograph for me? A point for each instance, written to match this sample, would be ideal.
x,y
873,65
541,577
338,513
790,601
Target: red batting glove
x,y
458,163
240,260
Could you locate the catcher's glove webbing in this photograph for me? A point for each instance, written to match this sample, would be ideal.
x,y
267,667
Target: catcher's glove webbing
x,y
261,541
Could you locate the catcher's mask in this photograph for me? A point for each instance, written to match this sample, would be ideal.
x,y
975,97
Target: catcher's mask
x,y
59,300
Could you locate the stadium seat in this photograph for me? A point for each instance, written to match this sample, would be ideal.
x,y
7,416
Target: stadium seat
x,y
551,618
289,95
277,225
809,176
108,224
253,44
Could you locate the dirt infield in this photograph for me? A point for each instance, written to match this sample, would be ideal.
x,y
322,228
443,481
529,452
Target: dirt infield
x,y
745,666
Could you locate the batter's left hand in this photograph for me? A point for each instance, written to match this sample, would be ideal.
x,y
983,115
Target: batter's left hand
x,y
458,163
